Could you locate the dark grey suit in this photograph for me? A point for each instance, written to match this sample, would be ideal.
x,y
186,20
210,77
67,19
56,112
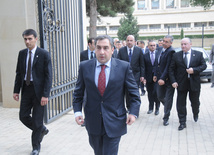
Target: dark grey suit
x,y
32,94
106,114
177,73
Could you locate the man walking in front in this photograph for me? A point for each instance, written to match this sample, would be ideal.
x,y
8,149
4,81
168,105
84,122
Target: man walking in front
x,y
184,73
34,80
105,80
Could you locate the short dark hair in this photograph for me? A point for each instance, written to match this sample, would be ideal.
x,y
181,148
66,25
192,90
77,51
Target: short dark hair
x,y
104,37
29,32
90,40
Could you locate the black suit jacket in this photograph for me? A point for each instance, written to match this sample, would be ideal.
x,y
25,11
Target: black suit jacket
x,y
108,109
149,68
162,66
137,62
177,70
114,55
84,55
41,72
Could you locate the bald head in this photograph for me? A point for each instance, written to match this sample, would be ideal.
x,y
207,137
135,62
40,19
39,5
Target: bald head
x,y
130,41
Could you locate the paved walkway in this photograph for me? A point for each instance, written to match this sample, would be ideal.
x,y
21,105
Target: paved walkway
x,y
147,136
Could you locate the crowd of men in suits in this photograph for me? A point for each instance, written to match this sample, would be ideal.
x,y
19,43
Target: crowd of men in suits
x,y
156,66
111,73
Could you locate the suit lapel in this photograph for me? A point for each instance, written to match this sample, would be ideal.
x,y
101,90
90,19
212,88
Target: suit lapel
x,y
91,69
25,58
113,71
36,56
192,57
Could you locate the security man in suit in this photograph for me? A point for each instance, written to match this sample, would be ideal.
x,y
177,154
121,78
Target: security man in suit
x,y
105,80
89,53
165,91
184,72
34,80
134,56
150,58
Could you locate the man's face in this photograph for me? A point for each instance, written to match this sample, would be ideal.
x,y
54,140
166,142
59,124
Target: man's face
x,y
118,45
167,43
92,46
152,46
103,51
30,41
130,42
115,41
186,45
160,43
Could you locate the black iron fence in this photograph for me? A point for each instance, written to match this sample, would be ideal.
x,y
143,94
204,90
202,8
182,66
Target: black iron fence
x,y
61,34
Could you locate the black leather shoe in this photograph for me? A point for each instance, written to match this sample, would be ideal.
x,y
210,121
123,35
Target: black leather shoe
x,y
182,126
150,111
195,118
35,152
44,132
212,85
156,112
165,122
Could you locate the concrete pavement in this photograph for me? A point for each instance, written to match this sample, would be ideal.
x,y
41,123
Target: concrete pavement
x,y
147,136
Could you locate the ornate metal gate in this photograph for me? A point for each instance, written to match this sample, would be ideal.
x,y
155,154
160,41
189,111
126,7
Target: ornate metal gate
x,y
61,34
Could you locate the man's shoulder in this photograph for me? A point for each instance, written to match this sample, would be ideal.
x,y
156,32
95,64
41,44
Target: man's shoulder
x,y
85,51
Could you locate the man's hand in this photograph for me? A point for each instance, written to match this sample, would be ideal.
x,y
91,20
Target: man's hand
x,y
79,120
175,85
154,78
190,71
161,82
130,119
16,96
44,101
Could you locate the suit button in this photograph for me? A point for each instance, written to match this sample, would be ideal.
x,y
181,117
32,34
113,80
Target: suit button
x,y
100,113
101,101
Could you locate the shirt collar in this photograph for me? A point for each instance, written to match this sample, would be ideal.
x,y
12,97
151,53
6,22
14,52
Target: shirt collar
x,y
130,48
33,50
108,64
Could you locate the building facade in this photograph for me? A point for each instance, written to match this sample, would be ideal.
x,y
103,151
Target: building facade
x,y
160,17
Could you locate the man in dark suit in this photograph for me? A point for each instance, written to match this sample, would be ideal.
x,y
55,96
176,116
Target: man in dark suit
x,y
105,80
150,58
89,53
184,72
134,56
34,79
165,91
116,50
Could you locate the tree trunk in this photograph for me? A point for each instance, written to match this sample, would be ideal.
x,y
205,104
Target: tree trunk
x,y
93,19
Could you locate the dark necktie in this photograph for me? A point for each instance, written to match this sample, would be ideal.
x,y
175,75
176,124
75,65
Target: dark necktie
x,y
152,58
102,80
28,69
185,58
130,55
92,56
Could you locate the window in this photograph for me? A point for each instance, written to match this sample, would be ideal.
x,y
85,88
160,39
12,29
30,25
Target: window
x,y
155,4
101,28
143,27
185,3
170,26
199,24
184,25
155,26
87,28
141,5
211,23
114,28
169,3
